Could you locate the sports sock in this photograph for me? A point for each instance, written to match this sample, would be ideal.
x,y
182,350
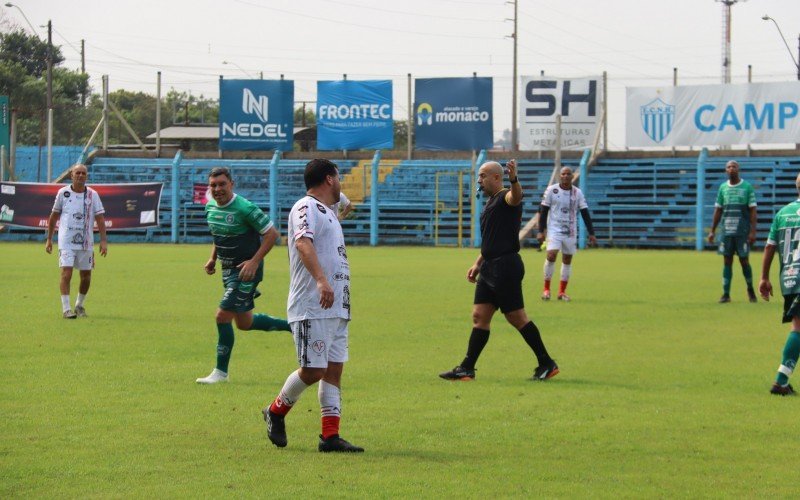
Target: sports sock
x,y
566,271
65,303
549,267
533,338
727,275
477,341
748,276
330,404
562,286
79,300
791,351
268,323
292,390
224,345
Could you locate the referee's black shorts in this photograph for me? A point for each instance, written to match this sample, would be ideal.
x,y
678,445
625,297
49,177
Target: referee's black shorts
x,y
500,283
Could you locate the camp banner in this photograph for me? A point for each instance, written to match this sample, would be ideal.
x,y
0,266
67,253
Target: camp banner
x,y
453,114
578,101
713,115
256,115
127,206
354,114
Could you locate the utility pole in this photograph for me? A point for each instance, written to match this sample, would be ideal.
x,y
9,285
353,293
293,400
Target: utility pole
x,y
83,69
514,131
726,38
49,100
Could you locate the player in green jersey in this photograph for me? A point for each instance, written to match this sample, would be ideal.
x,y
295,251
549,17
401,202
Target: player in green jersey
x,y
736,208
784,237
243,235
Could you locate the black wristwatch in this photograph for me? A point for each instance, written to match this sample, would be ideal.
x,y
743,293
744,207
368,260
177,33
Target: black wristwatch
x,y
514,180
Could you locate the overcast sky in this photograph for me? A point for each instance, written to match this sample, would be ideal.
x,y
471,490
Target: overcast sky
x,y
638,42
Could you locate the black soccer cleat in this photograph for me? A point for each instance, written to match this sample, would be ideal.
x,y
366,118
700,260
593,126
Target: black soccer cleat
x,y
751,294
725,299
782,390
546,371
459,373
337,444
276,428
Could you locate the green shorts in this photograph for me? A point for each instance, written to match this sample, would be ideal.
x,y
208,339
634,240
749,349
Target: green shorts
x,y
239,295
729,245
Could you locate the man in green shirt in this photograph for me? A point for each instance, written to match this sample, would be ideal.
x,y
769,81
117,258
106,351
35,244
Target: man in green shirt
x,y
784,237
736,207
243,235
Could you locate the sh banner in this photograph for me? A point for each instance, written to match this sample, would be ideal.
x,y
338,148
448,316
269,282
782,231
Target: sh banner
x,y
256,115
453,114
713,115
354,115
577,100
128,206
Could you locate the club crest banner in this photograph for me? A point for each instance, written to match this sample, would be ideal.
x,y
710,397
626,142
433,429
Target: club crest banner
x,y
256,115
453,114
354,115
713,115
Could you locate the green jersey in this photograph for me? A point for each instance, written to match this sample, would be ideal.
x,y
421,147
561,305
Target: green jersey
x,y
785,234
237,228
735,202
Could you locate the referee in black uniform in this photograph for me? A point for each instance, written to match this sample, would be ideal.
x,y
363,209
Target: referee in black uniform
x,y
498,273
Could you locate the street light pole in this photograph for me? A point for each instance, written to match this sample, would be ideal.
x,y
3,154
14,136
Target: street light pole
x,y
765,17
239,67
9,5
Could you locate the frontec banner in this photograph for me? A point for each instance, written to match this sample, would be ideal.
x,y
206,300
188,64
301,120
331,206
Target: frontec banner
x,y
354,115
713,115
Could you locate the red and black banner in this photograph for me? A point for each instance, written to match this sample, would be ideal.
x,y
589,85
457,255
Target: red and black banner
x,y
127,206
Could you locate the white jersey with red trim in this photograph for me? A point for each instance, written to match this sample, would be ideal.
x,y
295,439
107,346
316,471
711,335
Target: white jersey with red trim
x,y
78,211
564,207
310,218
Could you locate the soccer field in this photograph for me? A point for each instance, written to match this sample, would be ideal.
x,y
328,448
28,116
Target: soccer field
x,y
662,392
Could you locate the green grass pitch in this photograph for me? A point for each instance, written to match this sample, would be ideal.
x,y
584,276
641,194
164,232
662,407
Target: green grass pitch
x,y
662,392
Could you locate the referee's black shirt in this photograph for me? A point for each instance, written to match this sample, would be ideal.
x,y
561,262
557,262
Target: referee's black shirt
x,y
500,224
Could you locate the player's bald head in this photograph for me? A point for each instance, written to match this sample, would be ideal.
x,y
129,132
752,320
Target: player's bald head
x,y
78,166
492,168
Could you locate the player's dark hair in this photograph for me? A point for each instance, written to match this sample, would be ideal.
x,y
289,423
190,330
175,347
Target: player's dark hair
x,y
216,171
317,170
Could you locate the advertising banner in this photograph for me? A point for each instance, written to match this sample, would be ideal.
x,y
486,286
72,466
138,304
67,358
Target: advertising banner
x,y
713,115
577,100
256,115
5,124
200,193
453,114
127,206
354,115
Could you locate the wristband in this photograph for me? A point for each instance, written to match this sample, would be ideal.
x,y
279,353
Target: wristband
x,y
514,180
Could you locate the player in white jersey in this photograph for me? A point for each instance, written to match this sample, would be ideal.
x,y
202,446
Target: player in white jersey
x,y
558,222
318,307
343,207
77,208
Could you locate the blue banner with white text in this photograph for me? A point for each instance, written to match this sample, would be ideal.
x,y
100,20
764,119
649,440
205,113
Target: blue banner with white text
x,y
256,115
453,114
354,115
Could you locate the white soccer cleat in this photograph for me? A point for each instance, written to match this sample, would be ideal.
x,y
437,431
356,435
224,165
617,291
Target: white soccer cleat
x,y
80,311
215,377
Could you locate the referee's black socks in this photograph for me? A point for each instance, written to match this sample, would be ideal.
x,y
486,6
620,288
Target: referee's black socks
x,y
533,338
477,341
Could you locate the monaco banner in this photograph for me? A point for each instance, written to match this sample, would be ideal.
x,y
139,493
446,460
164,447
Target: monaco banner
x,y
713,115
453,114
577,100
256,115
354,115
127,206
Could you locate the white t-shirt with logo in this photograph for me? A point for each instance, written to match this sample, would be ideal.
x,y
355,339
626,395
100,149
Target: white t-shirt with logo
x,y
564,207
78,211
310,218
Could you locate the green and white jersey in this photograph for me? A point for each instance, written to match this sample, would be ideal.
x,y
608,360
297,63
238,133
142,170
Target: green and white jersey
x,y
237,228
785,234
735,202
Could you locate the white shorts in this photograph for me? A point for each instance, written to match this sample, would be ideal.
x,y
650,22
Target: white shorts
x,y
564,243
81,259
320,341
